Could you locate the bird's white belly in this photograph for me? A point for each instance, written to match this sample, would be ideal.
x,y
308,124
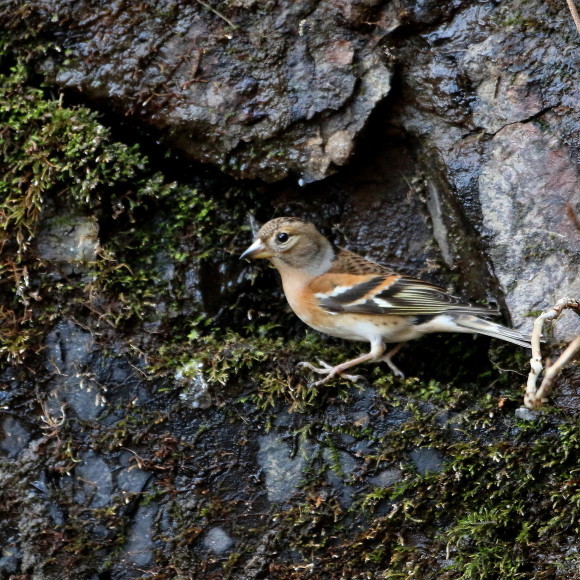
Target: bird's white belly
x,y
367,329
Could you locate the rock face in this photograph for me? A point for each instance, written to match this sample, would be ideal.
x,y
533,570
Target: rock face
x,y
484,101
489,94
152,418
529,198
259,89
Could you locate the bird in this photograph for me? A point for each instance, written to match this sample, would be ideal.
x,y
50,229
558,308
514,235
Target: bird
x,y
342,294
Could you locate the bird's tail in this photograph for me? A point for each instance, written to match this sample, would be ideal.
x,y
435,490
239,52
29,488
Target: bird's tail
x,y
474,324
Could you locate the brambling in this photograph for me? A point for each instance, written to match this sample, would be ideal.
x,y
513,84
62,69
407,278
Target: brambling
x,y
345,295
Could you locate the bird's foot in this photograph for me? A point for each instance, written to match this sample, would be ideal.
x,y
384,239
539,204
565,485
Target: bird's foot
x,y
329,371
388,358
395,369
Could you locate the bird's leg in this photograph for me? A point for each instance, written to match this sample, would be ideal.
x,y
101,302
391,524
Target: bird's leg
x,y
388,359
377,349
325,368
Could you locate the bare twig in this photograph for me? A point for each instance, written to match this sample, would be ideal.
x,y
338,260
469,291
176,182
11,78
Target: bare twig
x,y
219,14
536,397
574,12
554,370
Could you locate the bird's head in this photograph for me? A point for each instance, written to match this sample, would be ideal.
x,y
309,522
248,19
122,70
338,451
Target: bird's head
x,y
290,243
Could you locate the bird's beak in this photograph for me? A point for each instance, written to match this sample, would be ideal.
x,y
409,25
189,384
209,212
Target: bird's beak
x,y
257,250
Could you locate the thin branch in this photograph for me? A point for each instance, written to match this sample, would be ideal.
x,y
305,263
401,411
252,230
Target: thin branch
x,y
219,14
551,374
535,397
574,12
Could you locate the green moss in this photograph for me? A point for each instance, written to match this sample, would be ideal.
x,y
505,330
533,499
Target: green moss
x,y
484,511
44,151
53,156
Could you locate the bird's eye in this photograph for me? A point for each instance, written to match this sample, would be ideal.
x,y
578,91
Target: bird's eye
x,y
282,237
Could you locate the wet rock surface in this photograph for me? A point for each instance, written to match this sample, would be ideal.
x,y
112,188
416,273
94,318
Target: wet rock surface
x,y
153,422
529,195
283,473
489,94
263,90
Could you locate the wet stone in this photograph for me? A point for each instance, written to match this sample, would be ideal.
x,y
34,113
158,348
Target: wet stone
x,y
67,347
387,477
284,419
347,439
483,76
14,436
94,481
139,548
533,241
347,465
9,562
427,460
283,472
526,414
362,447
130,478
69,240
68,352
451,421
289,96
217,540
360,418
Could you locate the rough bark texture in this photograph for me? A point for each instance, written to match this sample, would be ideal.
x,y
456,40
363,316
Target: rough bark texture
x,y
153,422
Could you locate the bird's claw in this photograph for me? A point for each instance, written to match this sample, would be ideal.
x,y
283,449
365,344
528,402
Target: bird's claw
x,y
326,368
388,358
329,371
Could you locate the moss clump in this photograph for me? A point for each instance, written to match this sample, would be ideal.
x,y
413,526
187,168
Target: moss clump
x,y
57,159
49,155
44,150
503,501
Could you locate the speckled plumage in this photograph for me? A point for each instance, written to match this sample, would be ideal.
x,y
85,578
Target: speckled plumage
x,y
345,295
346,262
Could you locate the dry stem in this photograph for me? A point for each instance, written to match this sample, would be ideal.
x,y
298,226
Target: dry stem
x,y
536,397
574,12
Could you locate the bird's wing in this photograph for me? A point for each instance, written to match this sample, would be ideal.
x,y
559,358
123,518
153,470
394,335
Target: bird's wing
x,y
382,294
